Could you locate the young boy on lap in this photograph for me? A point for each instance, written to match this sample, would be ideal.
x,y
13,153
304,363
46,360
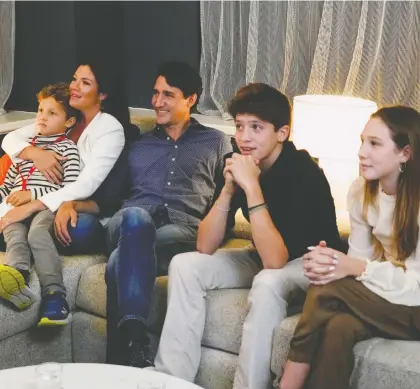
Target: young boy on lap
x,y
32,237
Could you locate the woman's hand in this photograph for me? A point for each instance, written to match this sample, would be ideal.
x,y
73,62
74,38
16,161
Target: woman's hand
x,y
49,164
323,265
65,213
19,197
20,213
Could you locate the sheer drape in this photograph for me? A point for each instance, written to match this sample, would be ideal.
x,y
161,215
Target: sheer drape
x,y
365,49
7,44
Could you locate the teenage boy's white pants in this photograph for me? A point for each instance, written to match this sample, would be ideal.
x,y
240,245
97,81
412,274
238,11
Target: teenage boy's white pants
x,y
191,275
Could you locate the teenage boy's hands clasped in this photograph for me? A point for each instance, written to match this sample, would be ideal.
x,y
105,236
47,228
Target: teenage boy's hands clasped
x,y
244,170
230,184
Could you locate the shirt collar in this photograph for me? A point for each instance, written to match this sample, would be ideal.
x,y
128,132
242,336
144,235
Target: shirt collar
x,y
193,124
282,160
49,138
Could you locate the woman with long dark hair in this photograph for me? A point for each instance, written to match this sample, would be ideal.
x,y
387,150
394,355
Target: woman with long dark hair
x,y
96,90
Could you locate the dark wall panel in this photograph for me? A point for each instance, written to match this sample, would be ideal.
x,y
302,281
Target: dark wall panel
x,y
99,31
134,37
156,32
44,49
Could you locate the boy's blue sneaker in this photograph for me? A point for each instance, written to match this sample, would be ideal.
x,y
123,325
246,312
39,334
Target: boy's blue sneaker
x,y
54,310
14,289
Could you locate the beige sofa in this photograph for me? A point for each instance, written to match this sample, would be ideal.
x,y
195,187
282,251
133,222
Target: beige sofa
x,y
381,364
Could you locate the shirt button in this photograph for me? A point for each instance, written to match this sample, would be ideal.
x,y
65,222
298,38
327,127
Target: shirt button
x,y
173,159
166,205
168,138
176,146
172,172
169,183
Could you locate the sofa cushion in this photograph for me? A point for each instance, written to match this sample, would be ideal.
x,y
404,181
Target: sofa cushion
x,y
281,343
34,346
386,364
89,338
145,122
13,321
379,363
91,296
226,310
217,369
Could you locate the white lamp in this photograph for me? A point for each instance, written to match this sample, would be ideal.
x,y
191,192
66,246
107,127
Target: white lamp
x,y
329,128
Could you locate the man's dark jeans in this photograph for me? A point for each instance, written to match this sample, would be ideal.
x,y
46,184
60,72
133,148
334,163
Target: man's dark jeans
x,y
87,237
134,243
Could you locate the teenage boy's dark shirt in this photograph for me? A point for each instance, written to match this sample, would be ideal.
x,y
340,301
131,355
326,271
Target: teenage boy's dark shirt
x,y
299,201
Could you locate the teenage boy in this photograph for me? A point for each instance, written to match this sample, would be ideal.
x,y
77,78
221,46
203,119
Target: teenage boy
x,y
32,237
282,192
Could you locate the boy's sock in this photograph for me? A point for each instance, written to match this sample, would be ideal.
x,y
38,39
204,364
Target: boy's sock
x,y
14,287
55,310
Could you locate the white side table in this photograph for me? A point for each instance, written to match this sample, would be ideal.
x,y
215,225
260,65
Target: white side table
x,y
91,376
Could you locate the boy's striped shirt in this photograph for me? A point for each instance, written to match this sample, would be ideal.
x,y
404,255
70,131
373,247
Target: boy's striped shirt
x,y
36,182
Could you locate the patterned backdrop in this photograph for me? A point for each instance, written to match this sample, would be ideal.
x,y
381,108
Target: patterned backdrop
x,y
7,44
368,49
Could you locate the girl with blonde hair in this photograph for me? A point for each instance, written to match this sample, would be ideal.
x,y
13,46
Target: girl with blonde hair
x,y
374,290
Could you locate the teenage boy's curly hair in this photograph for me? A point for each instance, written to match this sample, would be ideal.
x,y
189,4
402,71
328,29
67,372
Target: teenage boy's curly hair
x,y
60,92
263,101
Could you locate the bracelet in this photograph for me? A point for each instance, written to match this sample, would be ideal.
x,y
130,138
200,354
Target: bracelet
x,y
256,207
220,208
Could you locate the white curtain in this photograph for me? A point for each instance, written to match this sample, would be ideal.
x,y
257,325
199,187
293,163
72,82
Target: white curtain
x,y
368,49
7,50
